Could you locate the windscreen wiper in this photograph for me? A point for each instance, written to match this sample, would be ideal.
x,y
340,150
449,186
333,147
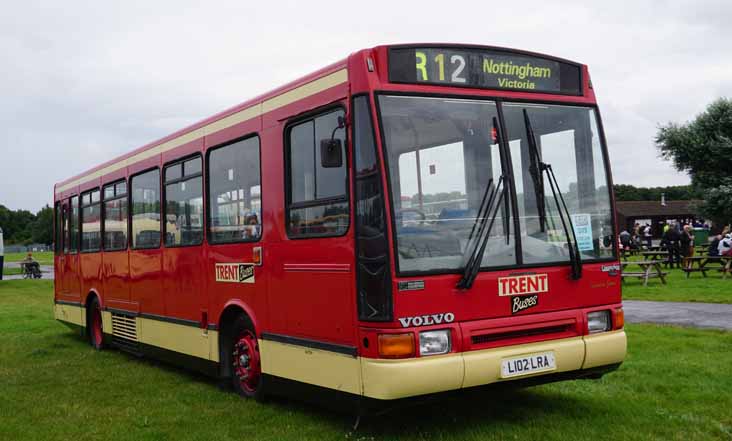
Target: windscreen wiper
x,y
479,234
482,229
535,172
574,253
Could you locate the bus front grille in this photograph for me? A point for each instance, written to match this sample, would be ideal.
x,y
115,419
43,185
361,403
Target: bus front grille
x,y
491,338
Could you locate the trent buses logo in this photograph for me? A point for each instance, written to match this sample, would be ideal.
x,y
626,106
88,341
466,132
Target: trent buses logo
x,y
235,272
525,284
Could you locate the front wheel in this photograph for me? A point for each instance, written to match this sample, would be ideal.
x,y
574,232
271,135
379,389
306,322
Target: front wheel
x,y
96,333
246,371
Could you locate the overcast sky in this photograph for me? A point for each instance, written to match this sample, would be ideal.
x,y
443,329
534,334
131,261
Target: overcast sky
x,y
83,82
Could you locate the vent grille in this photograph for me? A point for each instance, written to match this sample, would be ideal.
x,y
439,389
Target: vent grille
x,y
124,331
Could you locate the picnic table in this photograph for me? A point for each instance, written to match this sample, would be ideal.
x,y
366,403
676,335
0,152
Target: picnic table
x,y
699,264
727,268
627,252
655,255
649,269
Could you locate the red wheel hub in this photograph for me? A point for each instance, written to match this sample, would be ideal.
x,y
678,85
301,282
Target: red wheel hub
x,y
245,356
97,326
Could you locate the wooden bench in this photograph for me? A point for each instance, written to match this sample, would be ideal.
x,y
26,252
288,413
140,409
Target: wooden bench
x,y
649,269
703,261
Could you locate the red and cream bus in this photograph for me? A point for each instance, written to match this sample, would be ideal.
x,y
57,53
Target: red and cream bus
x,y
410,220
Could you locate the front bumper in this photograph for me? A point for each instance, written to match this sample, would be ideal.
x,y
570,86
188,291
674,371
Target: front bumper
x,y
393,379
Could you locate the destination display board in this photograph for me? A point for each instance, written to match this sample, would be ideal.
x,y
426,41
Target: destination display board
x,y
484,69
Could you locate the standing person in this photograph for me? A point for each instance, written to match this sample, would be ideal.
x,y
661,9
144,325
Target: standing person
x,y
640,237
687,244
624,240
672,238
647,234
664,245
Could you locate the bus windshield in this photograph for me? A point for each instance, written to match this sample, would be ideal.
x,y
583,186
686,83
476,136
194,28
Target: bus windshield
x,y
442,153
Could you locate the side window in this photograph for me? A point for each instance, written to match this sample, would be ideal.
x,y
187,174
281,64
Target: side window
x,y
66,221
235,193
115,216
317,202
74,225
184,203
91,237
58,230
145,192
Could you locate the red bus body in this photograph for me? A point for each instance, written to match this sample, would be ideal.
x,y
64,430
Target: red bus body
x,y
167,301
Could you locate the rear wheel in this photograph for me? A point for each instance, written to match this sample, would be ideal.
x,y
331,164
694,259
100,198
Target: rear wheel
x,y
246,372
96,334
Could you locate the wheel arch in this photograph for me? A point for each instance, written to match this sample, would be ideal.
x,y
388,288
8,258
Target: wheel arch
x,y
230,312
90,296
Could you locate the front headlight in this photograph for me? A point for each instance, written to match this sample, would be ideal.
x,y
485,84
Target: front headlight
x,y
598,321
434,342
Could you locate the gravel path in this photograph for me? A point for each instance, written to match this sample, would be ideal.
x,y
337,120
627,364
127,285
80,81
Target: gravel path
x,y
698,315
47,271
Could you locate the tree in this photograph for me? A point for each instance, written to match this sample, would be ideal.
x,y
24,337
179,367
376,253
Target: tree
x,y
674,193
42,228
23,227
718,204
703,148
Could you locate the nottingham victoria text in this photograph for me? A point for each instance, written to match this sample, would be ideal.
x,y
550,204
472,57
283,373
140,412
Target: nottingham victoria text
x,y
508,68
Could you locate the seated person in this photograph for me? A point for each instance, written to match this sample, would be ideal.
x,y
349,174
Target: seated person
x,y
29,264
714,245
725,246
251,229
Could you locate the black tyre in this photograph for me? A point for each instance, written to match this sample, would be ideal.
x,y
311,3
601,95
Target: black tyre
x,y
94,320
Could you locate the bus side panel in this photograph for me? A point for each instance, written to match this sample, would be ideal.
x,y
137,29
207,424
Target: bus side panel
x,y
116,272
184,282
90,269
312,287
146,282
70,278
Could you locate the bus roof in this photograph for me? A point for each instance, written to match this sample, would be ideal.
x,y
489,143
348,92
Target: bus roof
x,y
307,80
319,80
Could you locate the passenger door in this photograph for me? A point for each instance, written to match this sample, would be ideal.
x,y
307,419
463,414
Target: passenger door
x,y
60,231
313,283
70,277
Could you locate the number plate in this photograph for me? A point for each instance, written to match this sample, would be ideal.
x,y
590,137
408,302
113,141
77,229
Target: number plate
x,y
528,364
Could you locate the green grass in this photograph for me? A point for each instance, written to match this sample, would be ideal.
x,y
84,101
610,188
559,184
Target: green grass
x,y
697,288
42,257
675,384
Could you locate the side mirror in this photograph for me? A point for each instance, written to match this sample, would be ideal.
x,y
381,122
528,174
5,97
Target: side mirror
x,y
331,153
